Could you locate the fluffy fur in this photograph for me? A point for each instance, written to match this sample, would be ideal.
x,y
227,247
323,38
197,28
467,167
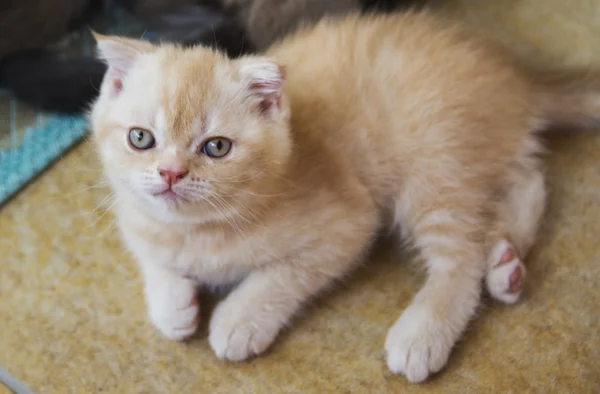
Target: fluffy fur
x,y
352,127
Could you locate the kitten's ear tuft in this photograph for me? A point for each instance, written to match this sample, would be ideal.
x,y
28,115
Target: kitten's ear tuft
x,y
120,54
263,79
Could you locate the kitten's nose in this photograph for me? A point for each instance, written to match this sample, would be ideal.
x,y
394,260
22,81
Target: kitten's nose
x,y
172,175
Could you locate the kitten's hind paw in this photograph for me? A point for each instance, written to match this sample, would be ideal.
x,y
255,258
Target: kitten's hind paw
x,y
506,275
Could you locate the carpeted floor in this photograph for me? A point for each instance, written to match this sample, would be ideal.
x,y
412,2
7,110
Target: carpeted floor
x,y
73,317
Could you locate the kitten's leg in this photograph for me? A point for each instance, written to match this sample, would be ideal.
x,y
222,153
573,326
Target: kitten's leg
x,y
172,302
518,223
248,320
421,340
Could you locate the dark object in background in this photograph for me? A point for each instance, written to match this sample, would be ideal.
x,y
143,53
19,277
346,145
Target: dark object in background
x,y
390,5
32,24
35,75
192,22
267,21
49,83
152,8
235,27
57,85
203,24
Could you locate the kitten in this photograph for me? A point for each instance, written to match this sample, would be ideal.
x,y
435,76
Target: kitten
x,y
277,171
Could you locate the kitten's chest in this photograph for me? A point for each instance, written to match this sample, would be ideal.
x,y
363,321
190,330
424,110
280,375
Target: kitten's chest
x,y
214,259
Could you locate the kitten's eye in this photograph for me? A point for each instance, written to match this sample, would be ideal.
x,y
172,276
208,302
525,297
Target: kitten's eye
x,y
217,147
141,139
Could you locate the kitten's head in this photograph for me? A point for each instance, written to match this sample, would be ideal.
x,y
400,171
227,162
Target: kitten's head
x,y
186,134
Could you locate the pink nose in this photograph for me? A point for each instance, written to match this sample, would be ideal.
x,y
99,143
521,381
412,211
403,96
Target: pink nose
x,y
172,175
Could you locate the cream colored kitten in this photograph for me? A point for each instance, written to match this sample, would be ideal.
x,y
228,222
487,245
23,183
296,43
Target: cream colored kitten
x,y
232,171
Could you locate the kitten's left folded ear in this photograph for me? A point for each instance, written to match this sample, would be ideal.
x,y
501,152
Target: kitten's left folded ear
x,y
120,53
263,78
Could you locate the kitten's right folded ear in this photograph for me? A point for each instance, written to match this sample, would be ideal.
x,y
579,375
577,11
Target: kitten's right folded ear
x,y
119,54
264,79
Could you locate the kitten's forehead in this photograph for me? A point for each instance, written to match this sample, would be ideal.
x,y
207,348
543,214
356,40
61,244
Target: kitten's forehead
x,y
189,85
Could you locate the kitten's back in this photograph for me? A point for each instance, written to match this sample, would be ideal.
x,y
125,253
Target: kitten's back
x,y
418,91
424,53
411,72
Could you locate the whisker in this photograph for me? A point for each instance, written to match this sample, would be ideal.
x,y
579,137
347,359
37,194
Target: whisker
x,y
112,225
103,213
247,209
98,185
225,217
104,201
227,205
255,223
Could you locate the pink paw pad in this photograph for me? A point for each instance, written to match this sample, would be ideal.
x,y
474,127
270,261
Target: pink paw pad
x,y
506,276
515,279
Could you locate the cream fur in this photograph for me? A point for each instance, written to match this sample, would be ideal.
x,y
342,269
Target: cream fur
x,y
403,120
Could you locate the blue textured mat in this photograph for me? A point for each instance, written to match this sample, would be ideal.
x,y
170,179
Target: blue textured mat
x,y
40,146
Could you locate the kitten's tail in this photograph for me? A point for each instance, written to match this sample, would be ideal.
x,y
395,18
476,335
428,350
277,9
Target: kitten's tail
x,y
570,98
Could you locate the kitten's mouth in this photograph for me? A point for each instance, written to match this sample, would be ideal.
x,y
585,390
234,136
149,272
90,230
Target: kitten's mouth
x,y
170,196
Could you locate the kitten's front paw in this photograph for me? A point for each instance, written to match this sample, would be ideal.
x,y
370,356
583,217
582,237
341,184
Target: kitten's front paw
x,y
173,308
418,344
238,332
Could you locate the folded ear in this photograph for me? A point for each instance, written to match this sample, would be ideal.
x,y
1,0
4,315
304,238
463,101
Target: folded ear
x,y
263,79
119,54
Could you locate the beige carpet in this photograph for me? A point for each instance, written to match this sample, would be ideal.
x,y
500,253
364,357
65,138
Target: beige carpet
x,y
73,317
